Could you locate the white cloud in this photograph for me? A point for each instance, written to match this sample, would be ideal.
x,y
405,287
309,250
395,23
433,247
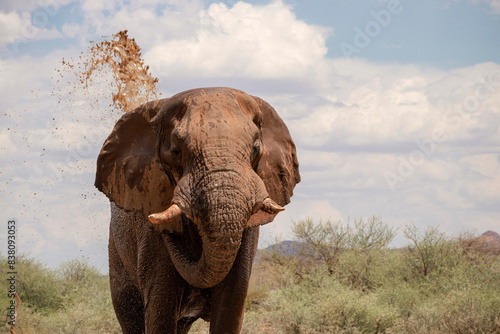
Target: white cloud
x,y
484,177
149,22
294,212
32,239
353,122
10,22
20,28
100,6
413,106
424,126
494,4
48,6
245,41
315,159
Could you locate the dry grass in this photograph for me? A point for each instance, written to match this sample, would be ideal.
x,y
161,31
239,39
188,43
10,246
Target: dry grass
x,y
368,291
16,316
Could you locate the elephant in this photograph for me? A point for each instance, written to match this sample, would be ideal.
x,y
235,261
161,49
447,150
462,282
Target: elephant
x,y
190,179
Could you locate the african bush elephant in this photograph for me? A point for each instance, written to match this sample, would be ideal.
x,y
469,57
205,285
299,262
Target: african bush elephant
x,y
207,166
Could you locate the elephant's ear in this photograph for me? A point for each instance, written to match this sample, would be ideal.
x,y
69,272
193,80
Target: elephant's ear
x,y
128,170
278,166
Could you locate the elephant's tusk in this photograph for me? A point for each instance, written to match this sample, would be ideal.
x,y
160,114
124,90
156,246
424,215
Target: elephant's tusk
x,y
166,216
271,207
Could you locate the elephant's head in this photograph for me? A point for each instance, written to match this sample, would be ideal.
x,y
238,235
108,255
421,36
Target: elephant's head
x,y
217,158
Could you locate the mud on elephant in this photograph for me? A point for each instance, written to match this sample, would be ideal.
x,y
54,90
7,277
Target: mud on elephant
x,y
207,167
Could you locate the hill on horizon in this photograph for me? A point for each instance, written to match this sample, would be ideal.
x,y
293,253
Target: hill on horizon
x,y
489,239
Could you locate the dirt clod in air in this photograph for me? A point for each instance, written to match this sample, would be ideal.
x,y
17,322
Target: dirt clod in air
x,y
113,66
134,84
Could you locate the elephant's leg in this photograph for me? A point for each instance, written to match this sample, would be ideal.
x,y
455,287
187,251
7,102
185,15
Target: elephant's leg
x,y
162,286
126,298
161,314
229,297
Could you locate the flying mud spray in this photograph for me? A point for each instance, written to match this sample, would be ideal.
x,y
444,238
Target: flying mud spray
x,y
63,131
131,84
93,91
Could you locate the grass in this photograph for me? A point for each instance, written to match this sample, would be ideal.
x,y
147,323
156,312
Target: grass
x,y
434,285
74,299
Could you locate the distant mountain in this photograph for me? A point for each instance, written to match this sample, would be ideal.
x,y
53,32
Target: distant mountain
x,y
287,247
490,242
490,238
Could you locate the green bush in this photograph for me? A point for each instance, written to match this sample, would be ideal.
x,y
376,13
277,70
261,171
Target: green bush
x,y
78,271
436,284
428,253
74,298
337,278
319,303
37,286
89,311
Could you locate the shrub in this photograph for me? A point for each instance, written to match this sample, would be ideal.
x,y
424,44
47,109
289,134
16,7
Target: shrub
x,y
435,285
321,304
38,286
323,241
429,252
326,241
475,310
72,299
78,271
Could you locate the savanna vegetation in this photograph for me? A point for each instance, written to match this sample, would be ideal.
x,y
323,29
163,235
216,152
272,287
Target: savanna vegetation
x,y
73,299
334,278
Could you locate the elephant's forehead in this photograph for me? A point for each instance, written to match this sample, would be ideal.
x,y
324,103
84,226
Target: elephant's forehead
x,y
217,118
222,98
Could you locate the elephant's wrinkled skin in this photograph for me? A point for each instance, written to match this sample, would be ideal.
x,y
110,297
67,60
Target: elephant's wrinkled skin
x,y
224,163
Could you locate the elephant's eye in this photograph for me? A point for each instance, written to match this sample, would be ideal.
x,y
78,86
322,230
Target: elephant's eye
x,y
172,155
175,151
256,153
256,148
175,154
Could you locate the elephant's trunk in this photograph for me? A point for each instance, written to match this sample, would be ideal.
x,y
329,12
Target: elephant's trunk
x,y
210,269
219,207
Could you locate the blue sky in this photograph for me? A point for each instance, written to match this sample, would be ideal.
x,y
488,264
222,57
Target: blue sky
x,y
441,34
408,129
